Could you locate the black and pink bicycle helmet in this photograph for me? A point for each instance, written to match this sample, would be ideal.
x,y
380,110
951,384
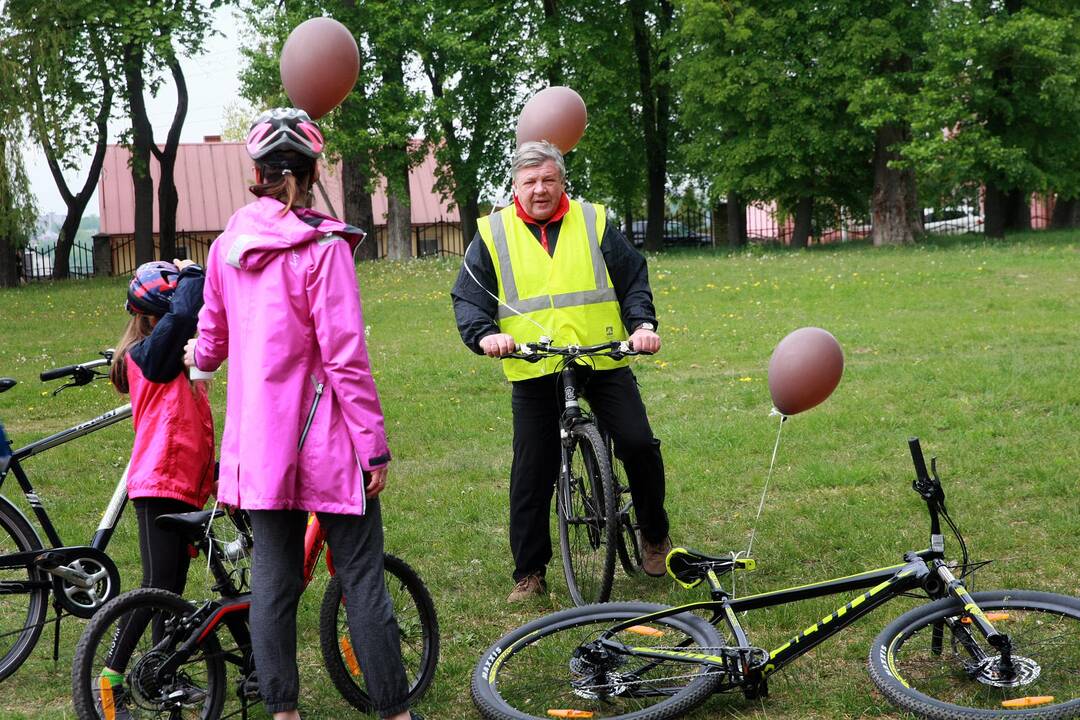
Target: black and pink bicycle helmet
x,y
151,289
284,129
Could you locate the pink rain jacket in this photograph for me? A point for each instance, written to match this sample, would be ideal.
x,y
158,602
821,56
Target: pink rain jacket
x,y
281,302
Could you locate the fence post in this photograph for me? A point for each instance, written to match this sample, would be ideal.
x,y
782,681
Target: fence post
x,y
102,255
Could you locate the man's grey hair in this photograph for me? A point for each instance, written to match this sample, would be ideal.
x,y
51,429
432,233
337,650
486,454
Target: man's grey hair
x,y
537,152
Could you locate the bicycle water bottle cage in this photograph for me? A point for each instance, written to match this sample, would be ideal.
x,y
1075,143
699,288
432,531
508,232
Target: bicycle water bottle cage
x,y
690,567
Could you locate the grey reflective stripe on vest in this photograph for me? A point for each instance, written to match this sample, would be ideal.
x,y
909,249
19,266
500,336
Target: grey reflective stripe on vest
x,y
602,293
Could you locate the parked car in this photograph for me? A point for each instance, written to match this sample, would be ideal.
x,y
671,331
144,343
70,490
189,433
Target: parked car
x,y
952,220
675,233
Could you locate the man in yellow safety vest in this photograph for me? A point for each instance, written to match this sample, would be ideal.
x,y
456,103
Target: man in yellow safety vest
x,y
550,262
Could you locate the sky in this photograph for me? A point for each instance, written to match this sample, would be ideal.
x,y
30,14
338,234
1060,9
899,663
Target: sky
x,y
212,85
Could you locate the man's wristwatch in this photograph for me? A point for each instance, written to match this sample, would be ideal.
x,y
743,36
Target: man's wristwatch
x,y
645,326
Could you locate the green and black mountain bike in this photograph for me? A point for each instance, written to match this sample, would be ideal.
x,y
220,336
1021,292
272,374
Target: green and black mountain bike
x,y
994,654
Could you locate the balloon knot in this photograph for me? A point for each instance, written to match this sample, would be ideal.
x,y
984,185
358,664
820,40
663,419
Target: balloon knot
x,y
774,412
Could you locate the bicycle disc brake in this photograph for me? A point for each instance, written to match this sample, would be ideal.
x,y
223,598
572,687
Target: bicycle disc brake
x,y
1024,671
84,578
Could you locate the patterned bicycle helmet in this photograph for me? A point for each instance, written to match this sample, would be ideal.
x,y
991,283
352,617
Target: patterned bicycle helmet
x,y
151,289
284,129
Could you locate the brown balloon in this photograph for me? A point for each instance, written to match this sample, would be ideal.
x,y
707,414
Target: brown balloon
x,y
556,114
319,65
804,369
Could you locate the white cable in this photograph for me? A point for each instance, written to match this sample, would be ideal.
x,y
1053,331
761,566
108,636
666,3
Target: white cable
x,y
465,265
765,490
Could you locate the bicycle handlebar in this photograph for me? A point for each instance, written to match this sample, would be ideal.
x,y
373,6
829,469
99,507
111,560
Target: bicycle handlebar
x,y
533,352
917,457
82,373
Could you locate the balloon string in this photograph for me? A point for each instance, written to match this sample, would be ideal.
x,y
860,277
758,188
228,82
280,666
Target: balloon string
x,y
465,264
765,490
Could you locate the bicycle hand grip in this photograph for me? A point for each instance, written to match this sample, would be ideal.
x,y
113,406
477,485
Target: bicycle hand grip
x,y
917,458
58,372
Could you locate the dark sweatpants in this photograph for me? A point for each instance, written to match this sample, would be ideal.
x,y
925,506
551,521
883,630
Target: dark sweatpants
x,y
165,561
277,582
537,404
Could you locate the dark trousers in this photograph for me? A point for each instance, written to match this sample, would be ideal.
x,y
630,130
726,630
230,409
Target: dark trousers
x,y
537,404
165,561
277,582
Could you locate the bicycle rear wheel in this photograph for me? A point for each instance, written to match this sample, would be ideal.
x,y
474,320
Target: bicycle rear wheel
x,y
195,690
932,662
539,671
24,592
588,529
417,622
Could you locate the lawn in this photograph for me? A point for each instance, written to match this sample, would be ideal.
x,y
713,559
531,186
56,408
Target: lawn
x,y
973,346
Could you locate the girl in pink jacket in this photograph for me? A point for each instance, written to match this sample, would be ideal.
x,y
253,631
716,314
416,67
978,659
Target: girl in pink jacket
x,y
172,460
303,425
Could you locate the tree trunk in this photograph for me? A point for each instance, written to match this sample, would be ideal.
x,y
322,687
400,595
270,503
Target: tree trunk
x,y
1018,211
142,140
168,200
896,217
655,99
804,216
9,262
469,211
1066,214
399,220
1006,211
357,210
736,221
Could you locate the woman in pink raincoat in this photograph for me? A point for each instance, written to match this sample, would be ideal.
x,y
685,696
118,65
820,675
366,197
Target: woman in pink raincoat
x,y
303,425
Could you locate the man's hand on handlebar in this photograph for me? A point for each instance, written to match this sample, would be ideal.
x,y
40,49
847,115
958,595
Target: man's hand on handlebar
x,y
497,344
645,341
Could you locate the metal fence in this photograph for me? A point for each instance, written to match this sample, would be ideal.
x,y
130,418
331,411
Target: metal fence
x,y
438,239
38,261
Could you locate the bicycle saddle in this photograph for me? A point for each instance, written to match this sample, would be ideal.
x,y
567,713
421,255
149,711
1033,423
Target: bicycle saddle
x,y
189,525
7,384
690,567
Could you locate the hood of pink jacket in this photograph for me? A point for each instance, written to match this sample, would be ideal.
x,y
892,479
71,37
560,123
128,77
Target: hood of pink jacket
x,y
263,232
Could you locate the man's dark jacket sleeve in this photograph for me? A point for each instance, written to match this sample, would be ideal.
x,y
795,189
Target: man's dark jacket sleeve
x,y
161,355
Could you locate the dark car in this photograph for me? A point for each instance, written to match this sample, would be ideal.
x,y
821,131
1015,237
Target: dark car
x,y
675,233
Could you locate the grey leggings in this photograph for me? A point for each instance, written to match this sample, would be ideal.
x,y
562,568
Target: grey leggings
x,y
277,582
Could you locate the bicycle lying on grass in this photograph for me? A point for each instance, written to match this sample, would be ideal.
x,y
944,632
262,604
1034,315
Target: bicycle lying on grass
x,y
177,669
993,654
78,578
593,506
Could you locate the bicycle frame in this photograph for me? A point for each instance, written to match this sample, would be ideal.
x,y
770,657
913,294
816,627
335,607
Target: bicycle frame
x,y
924,570
110,518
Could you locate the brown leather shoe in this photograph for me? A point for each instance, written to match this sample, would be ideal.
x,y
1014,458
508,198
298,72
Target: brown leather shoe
x,y
654,556
528,587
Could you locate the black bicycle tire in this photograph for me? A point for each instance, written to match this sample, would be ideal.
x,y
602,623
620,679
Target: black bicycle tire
x,y
331,651
491,706
103,619
898,690
587,436
22,533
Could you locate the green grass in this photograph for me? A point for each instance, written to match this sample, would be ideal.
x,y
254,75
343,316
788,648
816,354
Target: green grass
x,y
973,346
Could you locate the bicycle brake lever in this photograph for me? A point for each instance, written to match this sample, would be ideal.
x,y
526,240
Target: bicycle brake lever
x,y
63,387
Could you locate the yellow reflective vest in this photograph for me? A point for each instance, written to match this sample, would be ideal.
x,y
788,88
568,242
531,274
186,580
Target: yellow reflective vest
x,y
570,295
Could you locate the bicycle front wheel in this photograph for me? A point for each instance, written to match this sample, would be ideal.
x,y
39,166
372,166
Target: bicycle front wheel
x,y
588,517
931,661
24,592
543,669
417,623
153,623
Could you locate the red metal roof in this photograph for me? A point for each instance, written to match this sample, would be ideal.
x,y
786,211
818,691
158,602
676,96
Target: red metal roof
x,y
212,181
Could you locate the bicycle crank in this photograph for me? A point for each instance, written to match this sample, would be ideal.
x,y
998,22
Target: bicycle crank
x,y
84,578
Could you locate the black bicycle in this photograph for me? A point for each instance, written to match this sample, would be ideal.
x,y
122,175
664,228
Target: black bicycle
x,y
592,503
177,668
993,654
78,578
